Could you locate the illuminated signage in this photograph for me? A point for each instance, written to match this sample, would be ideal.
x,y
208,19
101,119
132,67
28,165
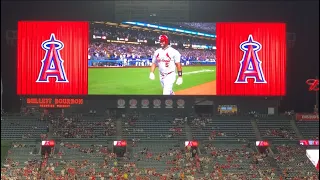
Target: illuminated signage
x,y
250,64
191,143
195,46
120,143
54,102
142,41
313,84
172,43
48,143
262,143
307,117
52,57
309,142
77,77
122,39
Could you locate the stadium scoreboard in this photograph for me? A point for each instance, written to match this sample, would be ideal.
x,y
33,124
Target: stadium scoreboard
x,y
251,60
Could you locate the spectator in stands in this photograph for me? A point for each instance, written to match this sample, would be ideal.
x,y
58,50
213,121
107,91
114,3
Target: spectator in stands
x,y
92,159
203,27
113,51
100,50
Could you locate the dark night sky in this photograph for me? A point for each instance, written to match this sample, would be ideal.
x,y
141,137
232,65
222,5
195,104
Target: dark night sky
x,y
302,18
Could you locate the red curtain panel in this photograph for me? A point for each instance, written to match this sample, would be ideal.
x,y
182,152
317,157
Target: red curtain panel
x,y
52,58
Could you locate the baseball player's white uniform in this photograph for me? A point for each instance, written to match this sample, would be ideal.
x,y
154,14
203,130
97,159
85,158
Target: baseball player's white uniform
x,y
165,59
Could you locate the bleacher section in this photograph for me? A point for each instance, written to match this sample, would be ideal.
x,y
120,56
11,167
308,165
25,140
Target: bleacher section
x,y
233,128
157,149
17,127
154,152
22,152
86,127
81,154
293,160
145,129
275,129
241,159
309,129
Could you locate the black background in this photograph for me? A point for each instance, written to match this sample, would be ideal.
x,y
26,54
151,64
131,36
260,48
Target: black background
x,y
302,18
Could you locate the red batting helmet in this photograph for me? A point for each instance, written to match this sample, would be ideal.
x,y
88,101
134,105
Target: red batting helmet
x,y
164,38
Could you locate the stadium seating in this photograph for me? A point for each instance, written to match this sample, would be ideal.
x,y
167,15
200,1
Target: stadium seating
x,y
232,127
154,153
23,155
276,129
144,129
161,147
18,127
86,127
309,129
293,161
82,153
240,159
112,51
208,27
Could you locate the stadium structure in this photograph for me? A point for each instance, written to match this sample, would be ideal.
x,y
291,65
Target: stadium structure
x,y
157,137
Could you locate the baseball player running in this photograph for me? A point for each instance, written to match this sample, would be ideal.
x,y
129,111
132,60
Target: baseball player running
x,y
167,59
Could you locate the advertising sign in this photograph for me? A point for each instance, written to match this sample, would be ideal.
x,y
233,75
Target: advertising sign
x,y
313,84
309,142
54,102
307,117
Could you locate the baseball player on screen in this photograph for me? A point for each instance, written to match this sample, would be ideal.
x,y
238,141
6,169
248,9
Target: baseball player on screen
x,y
167,59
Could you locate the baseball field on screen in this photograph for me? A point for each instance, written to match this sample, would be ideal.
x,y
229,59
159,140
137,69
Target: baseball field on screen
x,y
197,80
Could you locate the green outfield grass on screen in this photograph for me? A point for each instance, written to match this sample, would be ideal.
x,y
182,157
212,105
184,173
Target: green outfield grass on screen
x,y
120,53
135,81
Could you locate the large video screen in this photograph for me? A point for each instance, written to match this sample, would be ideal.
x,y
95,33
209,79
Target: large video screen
x,y
140,58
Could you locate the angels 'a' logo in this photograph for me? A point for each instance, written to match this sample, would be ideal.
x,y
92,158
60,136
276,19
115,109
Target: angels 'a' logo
x,y
250,65
52,63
